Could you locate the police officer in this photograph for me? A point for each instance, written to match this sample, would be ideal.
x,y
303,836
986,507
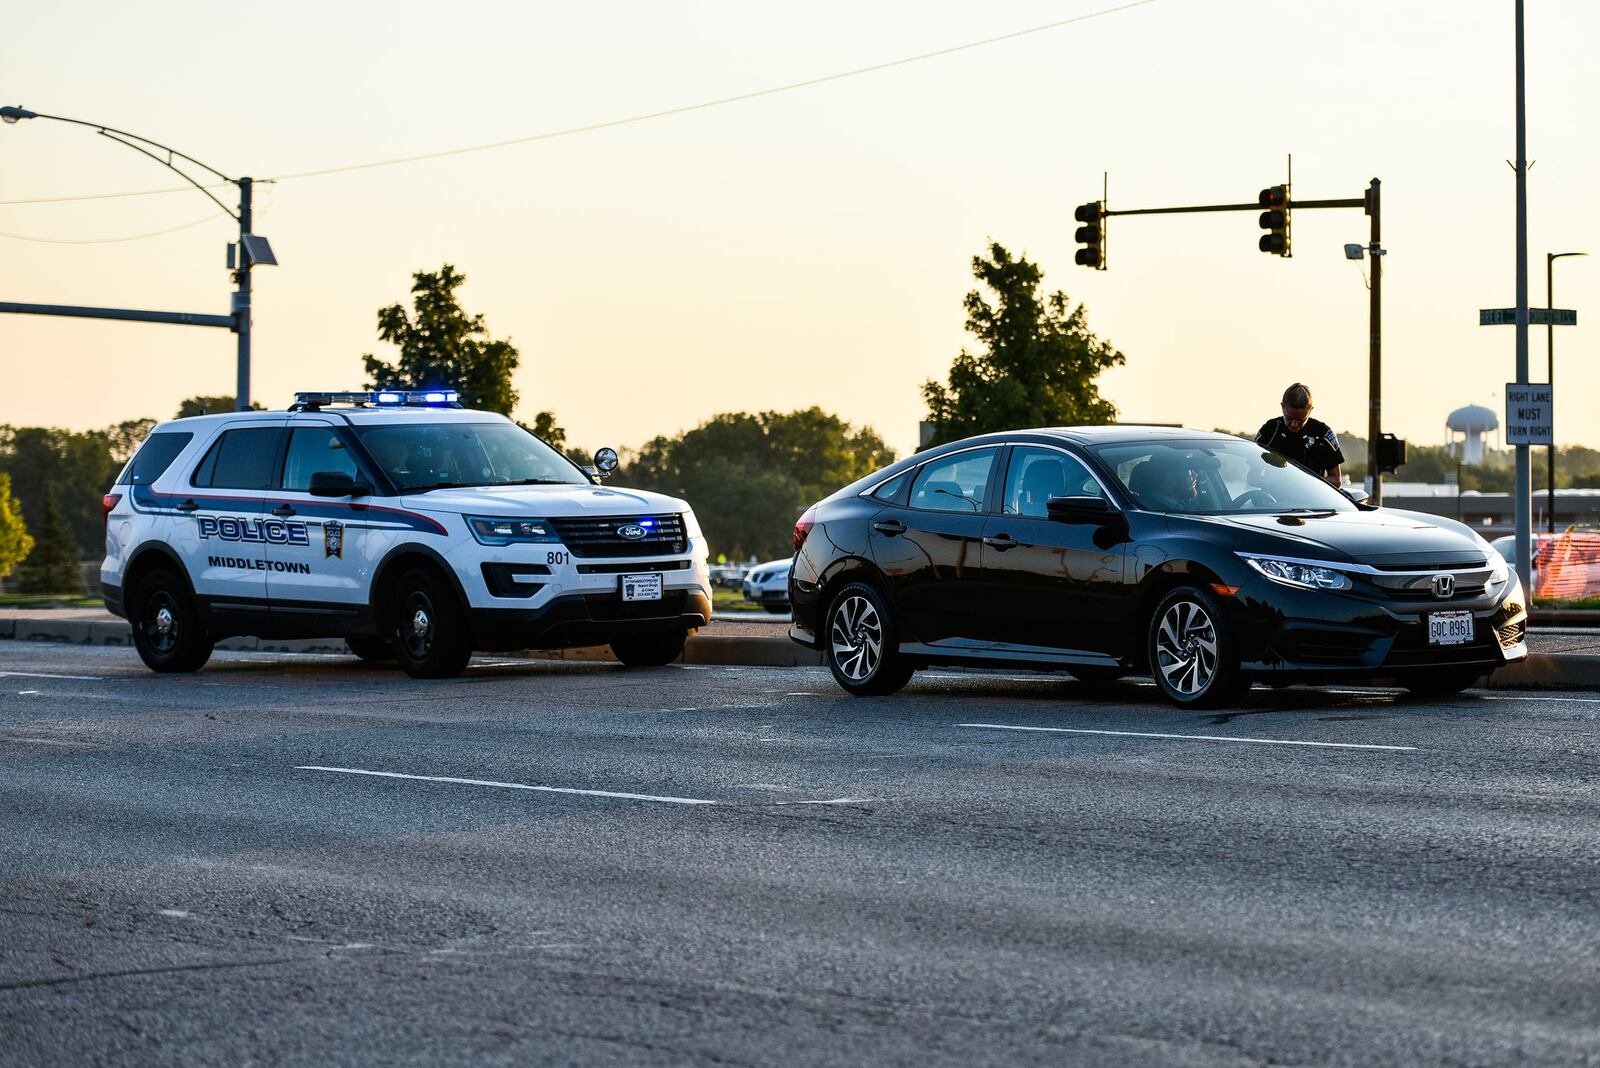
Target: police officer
x,y
1307,441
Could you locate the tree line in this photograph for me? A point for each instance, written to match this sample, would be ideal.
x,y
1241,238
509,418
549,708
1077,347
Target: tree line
x,y
748,475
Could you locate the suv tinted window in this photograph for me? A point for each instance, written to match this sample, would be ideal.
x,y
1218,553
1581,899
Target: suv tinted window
x,y
154,457
1036,475
241,459
955,483
313,449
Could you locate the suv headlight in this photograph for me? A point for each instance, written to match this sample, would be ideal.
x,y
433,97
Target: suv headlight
x,y
493,530
1301,576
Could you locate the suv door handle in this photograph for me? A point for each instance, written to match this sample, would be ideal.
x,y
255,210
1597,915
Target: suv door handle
x,y
889,526
1001,542
283,510
186,506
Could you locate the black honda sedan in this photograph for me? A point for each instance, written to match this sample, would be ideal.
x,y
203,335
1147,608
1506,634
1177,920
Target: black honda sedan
x,y
1202,559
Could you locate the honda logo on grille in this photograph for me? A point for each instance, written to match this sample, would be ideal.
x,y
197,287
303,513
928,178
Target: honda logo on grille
x,y
1444,586
631,531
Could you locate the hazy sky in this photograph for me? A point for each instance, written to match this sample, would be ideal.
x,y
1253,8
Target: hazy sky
x,y
811,247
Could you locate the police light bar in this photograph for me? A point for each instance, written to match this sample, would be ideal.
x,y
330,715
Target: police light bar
x,y
383,398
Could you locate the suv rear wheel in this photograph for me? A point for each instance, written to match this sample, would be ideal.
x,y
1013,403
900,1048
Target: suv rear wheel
x,y
1191,650
863,643
429,627
167,629
649,650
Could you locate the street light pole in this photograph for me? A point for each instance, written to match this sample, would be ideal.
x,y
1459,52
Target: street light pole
x,y
1550,376
252,248
1524,484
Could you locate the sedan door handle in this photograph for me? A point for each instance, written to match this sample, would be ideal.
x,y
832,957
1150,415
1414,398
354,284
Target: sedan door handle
x,y
283,510
889,526
186,506
1001,542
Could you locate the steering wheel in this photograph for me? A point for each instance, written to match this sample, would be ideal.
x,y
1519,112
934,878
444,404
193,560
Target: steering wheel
x,y
1259,498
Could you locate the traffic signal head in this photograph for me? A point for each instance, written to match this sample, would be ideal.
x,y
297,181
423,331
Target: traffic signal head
x,y
1390,454
1275,220
1091,235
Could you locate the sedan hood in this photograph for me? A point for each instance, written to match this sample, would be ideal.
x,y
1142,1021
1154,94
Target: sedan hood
x,y
1384,536
545,501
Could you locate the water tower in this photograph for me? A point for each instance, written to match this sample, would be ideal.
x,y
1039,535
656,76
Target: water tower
x,y
1473,423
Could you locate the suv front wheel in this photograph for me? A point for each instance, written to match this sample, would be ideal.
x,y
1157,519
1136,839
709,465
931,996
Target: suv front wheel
x,y
167,630
428,627
862,643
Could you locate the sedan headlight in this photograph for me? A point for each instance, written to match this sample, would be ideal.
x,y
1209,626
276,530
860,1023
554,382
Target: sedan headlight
x,y
1300,575
492,530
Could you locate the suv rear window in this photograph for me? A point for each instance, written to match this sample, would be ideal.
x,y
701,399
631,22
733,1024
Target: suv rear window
x,y
241,459
154,457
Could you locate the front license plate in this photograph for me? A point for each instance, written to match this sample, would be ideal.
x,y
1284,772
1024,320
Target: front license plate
x,y
641,587
1449,628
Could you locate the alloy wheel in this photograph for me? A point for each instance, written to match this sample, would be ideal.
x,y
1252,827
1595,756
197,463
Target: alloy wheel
x,y
417,625
857,638
1186,648
161,623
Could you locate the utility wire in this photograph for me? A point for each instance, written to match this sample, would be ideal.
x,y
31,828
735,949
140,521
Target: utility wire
x,y
642,117
108,240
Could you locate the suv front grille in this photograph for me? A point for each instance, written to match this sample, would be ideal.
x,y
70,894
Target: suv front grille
x,y
597,536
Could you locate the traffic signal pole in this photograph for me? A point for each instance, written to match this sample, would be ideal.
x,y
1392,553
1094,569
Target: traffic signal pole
x,y
1369,205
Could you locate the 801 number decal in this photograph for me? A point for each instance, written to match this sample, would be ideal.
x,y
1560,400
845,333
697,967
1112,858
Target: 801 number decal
x,y
557,557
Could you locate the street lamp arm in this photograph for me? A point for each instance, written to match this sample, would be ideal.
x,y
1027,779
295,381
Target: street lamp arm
x,y
119,138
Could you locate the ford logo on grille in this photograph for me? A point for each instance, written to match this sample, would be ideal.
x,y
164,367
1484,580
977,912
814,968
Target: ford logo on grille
x,y
631,531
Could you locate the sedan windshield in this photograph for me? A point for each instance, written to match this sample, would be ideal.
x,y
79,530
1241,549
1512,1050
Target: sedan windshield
x,y
1217,477
429,456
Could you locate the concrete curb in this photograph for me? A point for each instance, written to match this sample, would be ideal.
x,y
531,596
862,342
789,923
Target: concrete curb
x,y
1560,671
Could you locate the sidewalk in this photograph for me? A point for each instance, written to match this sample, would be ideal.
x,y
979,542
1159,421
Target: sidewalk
x,y
1560,659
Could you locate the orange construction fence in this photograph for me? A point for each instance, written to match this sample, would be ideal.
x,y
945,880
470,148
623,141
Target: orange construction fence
x,y
1568,565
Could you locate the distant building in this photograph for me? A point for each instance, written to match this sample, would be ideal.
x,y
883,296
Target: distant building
x,y
1493,514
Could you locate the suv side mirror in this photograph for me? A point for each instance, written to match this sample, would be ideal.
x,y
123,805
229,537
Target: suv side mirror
x,y
1358,494
1084,508
336,484
605,462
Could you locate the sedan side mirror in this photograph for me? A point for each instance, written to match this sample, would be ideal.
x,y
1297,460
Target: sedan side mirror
x,y
337,484
605,462
1084,508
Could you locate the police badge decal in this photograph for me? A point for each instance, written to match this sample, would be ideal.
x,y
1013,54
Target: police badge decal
x,y
333,539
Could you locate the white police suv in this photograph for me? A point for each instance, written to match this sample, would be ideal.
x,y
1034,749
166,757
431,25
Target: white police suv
x,y
415,529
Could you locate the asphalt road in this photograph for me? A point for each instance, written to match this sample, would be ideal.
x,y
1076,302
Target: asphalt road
x,y
573,863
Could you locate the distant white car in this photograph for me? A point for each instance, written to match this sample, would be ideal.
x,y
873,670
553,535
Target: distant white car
x,y
1507,546
768,584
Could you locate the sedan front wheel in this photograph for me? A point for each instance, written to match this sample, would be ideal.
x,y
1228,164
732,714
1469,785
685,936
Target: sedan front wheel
x,y
1191,650
863,643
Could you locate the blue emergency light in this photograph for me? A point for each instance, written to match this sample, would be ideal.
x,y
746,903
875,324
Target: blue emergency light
x,y
382,398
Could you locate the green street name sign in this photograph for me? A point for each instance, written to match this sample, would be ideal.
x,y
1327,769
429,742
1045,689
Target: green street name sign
x,y
1536,317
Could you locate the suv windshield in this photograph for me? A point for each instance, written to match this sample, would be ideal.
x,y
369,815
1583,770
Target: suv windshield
x,y
443,455
1211,477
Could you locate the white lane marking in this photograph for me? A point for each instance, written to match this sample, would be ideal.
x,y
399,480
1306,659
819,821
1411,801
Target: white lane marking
x,y
803,693
42,675
176,914
1538,697
509,785
25,693
1191,737
830,801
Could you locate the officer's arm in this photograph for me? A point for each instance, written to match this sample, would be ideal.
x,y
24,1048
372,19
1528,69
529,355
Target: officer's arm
x,y
1334,475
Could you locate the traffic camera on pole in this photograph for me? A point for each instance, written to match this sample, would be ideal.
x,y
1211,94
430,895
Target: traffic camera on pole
x,y
1275,220
1091,235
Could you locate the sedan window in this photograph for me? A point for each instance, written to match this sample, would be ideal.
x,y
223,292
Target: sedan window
x,y
954,483
1212,477
1036,475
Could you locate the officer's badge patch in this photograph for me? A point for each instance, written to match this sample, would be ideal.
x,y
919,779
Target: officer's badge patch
x,y
333,539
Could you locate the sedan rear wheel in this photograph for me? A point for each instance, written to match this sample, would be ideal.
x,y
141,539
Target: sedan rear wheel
x,y
863,643
1191,650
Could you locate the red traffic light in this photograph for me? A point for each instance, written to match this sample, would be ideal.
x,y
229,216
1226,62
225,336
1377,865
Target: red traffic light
x,y
1274,196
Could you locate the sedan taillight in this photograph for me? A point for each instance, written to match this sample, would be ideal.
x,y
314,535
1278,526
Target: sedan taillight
x,y
803,526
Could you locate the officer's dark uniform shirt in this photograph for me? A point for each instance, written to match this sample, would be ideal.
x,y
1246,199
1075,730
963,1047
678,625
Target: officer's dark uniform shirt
x,y
1315,445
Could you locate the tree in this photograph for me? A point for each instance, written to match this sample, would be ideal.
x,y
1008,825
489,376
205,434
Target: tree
x,y
1039,361
749,476
76,468
210,405
15,541
53,566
